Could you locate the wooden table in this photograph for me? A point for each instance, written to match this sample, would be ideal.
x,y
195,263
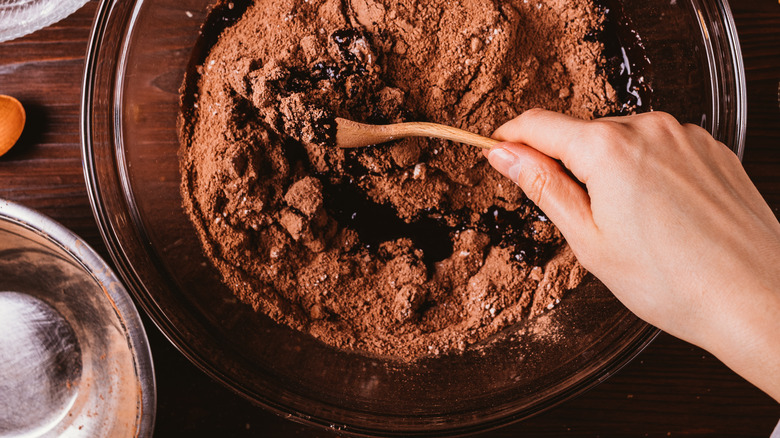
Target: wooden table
x,y
671,389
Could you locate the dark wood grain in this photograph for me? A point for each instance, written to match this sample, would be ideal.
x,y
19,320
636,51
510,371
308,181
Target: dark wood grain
x,y
671,389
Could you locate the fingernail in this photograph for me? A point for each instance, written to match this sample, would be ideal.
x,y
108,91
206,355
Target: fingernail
x,y
502,160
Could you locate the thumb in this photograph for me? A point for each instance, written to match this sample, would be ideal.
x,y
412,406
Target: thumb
x,y
548,185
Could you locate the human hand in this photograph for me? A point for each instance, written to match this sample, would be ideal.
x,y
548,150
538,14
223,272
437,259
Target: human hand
x,y
667,219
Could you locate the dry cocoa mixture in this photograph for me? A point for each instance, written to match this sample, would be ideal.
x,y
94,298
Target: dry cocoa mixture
x,y
406,249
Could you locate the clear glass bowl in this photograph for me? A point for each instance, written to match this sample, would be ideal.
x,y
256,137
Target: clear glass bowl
x,y
20,17
74,357
136,60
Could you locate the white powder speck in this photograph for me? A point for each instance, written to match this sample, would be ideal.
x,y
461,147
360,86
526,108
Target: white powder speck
x,y
418,170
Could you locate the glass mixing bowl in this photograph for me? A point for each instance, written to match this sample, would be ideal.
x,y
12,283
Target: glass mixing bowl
x,y
136,60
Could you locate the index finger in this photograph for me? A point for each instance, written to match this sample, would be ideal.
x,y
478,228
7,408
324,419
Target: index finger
x,y
551,133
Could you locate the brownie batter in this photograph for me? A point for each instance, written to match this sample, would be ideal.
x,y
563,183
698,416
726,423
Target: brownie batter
x,y
407,249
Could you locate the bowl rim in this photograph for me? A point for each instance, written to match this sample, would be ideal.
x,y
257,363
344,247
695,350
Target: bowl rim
x,y
734,138
136,285
89,260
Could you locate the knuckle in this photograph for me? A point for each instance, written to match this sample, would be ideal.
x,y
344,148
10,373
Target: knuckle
x,y
527,117
663,125
533,112
700,138
663,119
695,129
535,182
505,131
607,138
607,129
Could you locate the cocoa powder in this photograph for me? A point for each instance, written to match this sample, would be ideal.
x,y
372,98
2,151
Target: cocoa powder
x,y
406,249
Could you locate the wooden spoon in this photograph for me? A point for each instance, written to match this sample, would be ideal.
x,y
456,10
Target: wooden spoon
x,y
12,118
351,134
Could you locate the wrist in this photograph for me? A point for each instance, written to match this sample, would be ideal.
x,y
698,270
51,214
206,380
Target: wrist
x,y
743,334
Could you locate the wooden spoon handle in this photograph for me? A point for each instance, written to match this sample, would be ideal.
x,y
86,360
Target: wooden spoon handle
x,y
351,134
